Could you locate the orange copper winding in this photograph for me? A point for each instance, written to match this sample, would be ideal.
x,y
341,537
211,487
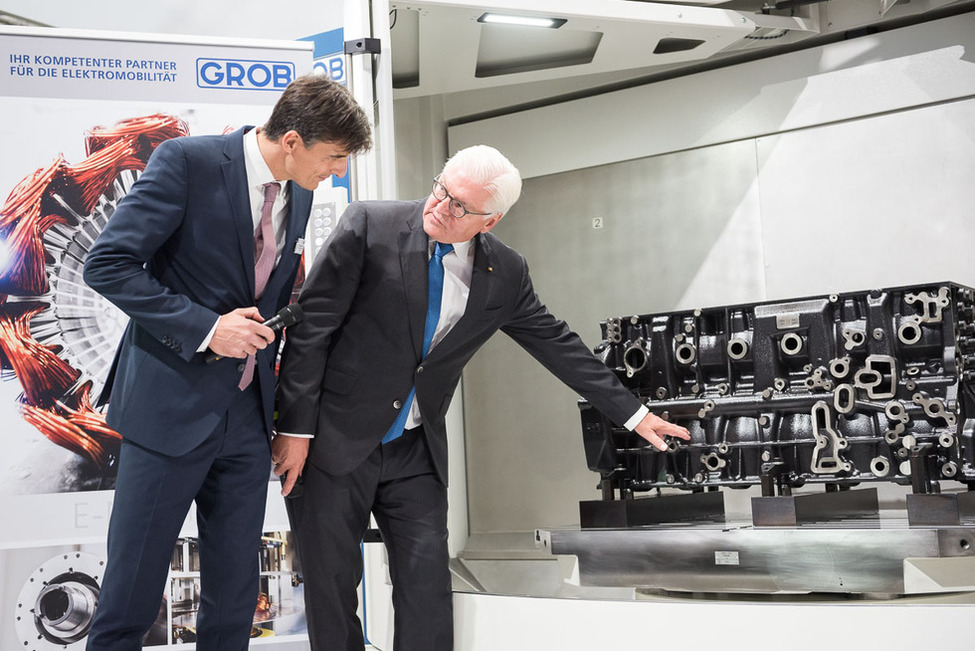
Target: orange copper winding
x,y
55,400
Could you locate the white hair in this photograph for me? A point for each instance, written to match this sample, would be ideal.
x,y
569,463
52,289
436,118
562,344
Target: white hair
x,y
489,168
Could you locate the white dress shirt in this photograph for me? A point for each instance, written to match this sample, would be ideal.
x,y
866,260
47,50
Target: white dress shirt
x,y
258,173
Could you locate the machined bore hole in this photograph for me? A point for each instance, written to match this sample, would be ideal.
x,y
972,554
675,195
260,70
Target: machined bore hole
x,y
54,605
844,398
635,358
895,410
909,333
880,467
869,377
737,349
791,343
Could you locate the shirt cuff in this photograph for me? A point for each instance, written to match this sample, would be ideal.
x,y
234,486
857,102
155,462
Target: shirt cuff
x,y
297,436
206,342
635,419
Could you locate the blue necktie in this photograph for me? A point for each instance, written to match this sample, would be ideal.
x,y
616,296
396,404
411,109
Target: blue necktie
x,y
434,299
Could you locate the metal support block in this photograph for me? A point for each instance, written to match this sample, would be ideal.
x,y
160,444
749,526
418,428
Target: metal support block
x,y
806,509
363,46
601,514
727,558
940,508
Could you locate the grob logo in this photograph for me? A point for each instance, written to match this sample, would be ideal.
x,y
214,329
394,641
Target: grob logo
x,y
240,74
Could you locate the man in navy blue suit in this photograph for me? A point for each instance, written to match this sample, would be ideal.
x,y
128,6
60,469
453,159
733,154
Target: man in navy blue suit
x,y
203,249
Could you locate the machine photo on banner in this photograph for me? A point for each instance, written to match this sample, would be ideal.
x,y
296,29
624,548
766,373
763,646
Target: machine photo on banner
x,y
85,111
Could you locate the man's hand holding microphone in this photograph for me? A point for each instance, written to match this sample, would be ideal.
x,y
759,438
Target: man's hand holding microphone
x,y
244,331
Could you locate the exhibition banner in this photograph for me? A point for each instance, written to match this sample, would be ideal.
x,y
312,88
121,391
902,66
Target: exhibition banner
x,y
83,111
143,67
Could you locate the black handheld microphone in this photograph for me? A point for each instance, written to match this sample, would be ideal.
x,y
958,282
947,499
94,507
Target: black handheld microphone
x,y
288,316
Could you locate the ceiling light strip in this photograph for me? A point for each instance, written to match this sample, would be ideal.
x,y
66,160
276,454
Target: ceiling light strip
x,y
525,21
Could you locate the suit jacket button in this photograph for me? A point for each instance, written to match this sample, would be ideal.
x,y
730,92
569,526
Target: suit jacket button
x,y
397,404
241,367
419,369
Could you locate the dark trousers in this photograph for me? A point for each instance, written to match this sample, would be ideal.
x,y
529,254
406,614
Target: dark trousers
x,y
227,477
397,483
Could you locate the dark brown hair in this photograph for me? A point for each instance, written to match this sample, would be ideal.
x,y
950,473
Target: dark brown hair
x,y
320,110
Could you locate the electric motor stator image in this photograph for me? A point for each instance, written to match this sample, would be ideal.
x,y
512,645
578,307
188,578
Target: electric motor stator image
x,y
840,390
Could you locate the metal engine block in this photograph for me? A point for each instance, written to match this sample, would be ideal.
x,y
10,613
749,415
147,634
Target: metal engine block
x,y
844,389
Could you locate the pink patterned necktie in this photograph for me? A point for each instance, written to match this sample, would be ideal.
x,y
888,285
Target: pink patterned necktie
x,y
265,251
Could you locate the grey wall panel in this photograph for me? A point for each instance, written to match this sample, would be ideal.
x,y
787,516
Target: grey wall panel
x,y
880,201
666,227
883,201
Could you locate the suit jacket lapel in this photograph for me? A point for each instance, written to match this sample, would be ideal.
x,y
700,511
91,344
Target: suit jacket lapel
x,y
235,178
296,224
481,278
414,260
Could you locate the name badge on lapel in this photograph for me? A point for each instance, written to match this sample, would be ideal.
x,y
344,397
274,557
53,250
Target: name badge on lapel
x,y
299,246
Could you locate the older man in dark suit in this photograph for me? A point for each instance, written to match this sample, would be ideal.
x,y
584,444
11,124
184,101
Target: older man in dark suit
x,y
202,250
398,301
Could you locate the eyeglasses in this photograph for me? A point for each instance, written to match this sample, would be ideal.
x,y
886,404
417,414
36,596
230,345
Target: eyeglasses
x,y
456,208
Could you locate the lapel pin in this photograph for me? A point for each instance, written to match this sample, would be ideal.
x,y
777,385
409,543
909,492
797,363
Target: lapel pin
x,y
490,268
299,246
